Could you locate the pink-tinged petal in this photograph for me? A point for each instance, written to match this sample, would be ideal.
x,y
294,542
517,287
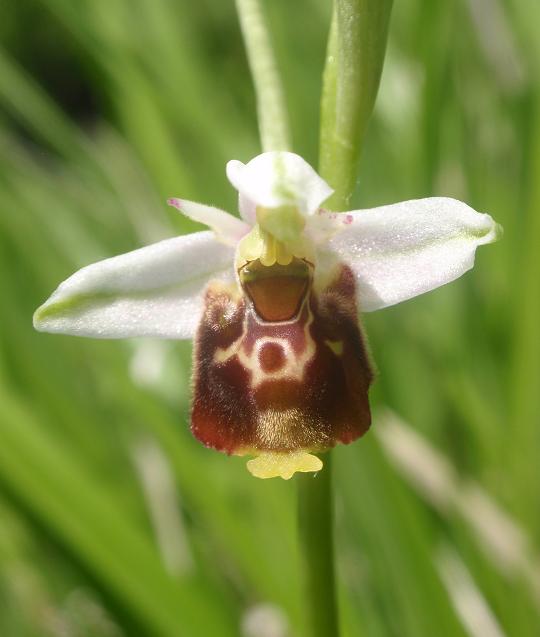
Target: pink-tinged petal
x,y
263,385
276,179
323,225
228,229
405,249
153,291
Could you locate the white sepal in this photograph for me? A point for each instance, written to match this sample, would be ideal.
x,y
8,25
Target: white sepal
x,y
405,249
152,291
276,179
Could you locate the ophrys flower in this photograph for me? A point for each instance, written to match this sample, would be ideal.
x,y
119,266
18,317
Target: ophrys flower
x,y
272,301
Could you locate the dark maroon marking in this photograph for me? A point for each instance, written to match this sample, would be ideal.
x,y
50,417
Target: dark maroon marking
x,y
329,405
271,357
292,331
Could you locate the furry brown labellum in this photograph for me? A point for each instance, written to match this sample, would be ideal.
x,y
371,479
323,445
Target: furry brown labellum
x,y
278,368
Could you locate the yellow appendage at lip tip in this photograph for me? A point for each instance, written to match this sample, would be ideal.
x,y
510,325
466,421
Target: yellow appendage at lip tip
x,y
283,465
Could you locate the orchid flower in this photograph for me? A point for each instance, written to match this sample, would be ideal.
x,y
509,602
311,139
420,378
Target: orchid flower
x,y
280,364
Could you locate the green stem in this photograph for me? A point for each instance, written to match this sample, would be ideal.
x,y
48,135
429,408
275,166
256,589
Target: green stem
x,y
356,48
525,376
354,62
271,111
315,530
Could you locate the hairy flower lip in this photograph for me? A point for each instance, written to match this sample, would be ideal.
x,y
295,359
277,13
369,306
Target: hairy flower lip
x,y
390,254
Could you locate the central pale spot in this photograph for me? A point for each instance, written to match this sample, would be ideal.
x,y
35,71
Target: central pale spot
x,y
277,291
271,357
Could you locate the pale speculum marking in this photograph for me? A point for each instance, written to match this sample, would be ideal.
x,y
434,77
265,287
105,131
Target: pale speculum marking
x,y
276,342
260,354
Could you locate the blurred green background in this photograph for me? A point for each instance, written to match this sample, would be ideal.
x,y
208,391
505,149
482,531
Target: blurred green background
x,y
113,520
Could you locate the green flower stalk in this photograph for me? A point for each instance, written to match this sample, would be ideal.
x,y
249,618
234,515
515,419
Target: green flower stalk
x,y
354,62
272,115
